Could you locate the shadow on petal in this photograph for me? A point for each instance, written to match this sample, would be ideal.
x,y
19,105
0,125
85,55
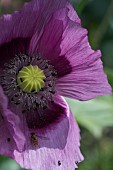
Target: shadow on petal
x,y
12,48
57,148
50,127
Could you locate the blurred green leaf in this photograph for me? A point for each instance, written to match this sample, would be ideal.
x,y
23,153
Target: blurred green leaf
x,y
79,5
109,73
111,23
107,51
8,164
94,115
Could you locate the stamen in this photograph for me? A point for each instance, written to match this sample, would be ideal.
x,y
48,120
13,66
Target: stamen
x,y
29,81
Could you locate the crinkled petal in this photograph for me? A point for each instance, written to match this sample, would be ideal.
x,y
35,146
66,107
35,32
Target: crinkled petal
x,y
11,125
57,147
30,19
72,14
5,137
10,135
49,45
7,144
87,78
14,126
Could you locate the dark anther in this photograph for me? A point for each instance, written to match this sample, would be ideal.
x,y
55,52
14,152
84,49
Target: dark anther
x,y
23,111
59,163
50,85
46,66
42,89
53,74
37,105
33,91
16,95
17,103
44,107
12,79
21,79
12,99
8,139
38,58
53,92
28,109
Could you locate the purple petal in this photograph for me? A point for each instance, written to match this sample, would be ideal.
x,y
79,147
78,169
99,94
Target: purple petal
x,y
10,135
11,125
30,19
5,137
87,78
7,144
72,14
18,29
3,101
57,146
49,45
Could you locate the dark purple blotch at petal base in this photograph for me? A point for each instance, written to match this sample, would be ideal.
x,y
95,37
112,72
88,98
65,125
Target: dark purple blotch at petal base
x,y
57,146
10,49
42,118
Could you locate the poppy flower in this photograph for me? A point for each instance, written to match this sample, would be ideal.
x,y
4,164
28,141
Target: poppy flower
x,y
45,55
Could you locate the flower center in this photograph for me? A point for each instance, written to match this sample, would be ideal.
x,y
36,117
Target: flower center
x,y
31,79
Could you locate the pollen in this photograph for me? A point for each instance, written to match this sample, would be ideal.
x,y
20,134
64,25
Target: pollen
x,y
31,79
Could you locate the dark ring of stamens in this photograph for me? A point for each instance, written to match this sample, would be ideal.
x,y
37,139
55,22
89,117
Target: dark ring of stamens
x,y
8,80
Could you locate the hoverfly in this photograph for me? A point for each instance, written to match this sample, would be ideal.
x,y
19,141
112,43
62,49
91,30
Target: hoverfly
x,y
34,139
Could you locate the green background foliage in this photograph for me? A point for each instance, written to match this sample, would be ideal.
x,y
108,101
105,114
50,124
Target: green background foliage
x,y
95,117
